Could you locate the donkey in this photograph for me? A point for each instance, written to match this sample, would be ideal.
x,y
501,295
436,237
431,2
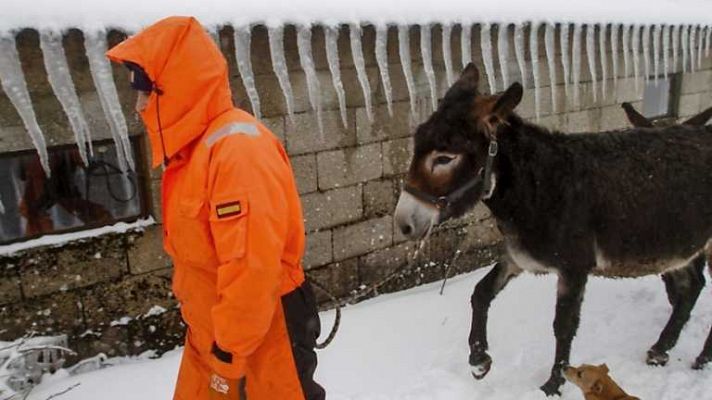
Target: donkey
x,y
614,204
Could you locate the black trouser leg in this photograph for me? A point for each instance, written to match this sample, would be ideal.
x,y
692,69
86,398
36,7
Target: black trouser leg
x,y
301,314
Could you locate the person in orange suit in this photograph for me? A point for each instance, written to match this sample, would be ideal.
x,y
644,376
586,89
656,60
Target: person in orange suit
x,y
232,223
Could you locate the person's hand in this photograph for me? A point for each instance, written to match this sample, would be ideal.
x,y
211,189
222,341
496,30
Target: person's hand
x,y
224,388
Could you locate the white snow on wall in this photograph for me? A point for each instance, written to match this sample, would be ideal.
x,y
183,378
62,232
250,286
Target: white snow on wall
x,y
58,240
134,14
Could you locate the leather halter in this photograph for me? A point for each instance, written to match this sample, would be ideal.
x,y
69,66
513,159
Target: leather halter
x,y
483,177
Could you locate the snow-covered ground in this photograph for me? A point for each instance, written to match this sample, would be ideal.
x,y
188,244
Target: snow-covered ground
x,y
413,345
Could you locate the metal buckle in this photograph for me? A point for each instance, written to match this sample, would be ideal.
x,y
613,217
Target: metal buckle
x,y
493,149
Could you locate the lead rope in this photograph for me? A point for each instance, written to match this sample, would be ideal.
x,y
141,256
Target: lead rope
x,y
338,304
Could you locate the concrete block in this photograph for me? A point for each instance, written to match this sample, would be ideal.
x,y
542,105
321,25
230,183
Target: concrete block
x,y
360,238
345,167
333,207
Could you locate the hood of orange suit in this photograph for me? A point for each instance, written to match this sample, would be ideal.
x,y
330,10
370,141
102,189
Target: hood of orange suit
x,y
192,77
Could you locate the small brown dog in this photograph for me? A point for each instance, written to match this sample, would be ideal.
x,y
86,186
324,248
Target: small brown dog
x,y
595,383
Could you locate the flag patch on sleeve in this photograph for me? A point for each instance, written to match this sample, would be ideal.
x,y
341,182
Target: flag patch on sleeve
x,y
228,209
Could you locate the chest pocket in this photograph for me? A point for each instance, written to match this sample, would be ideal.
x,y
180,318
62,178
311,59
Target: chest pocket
x,y
190,234
228,225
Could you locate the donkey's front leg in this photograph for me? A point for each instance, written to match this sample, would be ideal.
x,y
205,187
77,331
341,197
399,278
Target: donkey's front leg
x,y
706,356
568,312
485,291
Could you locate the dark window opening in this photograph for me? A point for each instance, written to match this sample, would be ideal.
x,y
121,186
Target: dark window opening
x,y
74,197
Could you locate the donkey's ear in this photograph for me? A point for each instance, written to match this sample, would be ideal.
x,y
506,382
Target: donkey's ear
x,y
470,75
508,101
700,119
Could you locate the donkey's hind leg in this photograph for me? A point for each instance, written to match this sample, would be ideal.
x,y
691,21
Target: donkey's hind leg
x,y
683,288
706,356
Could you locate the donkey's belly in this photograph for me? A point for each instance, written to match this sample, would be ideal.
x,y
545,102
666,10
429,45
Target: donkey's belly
x,y
640,266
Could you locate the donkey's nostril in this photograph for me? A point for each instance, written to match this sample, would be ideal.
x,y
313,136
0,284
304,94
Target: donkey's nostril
x,y
407,229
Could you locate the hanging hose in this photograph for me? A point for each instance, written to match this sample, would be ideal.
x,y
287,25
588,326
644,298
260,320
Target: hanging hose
x,y
108,170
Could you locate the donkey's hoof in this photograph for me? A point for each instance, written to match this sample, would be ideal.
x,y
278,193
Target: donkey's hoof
x,y
657,358
480,365
701,363
551,387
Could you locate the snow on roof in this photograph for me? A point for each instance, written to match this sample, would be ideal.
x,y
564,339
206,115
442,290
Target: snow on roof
x,y
134,14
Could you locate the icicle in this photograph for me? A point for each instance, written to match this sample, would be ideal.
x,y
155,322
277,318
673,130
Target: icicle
x,y
549,33
615,29
243,40
534,54
95,44
675,46
576,63
693,48
13,83
519,52
360,64
486,46
279,65
215,34
646,52
466,44
708,44
685,38
447,54
404,52
604,59
503,53
635,47
331,35
304,48
626,49
382,60
60,80
701,46
666,50
656,52
591,55
426,51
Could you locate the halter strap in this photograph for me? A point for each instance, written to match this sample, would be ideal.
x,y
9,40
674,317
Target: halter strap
x,y
484,175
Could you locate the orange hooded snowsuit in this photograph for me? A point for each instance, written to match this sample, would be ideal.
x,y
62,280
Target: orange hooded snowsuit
x,y
232,223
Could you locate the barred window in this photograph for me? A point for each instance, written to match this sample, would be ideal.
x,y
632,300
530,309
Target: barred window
x,y
74,197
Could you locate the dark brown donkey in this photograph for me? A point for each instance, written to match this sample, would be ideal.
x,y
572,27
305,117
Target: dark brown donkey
x,y
615,204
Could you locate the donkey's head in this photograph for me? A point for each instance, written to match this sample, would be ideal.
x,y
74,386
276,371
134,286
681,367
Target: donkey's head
x,y
451,169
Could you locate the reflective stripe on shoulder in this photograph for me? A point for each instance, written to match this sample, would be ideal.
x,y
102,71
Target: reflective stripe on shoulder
x,y
233,128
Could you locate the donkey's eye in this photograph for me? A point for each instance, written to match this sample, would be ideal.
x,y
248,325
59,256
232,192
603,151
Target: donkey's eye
x,y
580,374
442,160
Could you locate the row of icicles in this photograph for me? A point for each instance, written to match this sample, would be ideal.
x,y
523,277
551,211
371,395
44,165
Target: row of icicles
x,y
686,44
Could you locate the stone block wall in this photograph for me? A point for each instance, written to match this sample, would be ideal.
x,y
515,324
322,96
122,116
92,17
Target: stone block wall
x,y
112,293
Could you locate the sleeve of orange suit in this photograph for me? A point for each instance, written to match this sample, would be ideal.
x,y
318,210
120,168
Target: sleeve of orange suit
x,y
249,227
